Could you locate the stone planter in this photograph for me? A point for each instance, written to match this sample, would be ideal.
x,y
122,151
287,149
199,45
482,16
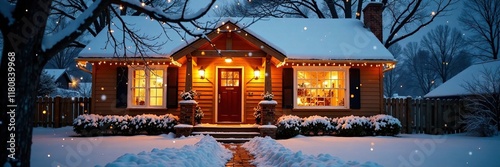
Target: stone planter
x,y
268,111
268,130
187,112
183,130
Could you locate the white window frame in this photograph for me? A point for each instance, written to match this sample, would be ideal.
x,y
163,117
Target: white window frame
x,y
318,68
131,80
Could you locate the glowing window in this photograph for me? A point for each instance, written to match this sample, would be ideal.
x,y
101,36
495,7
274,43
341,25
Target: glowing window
x,y
148,88
321,88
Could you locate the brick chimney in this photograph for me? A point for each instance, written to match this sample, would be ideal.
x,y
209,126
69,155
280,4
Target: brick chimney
x,y
373,18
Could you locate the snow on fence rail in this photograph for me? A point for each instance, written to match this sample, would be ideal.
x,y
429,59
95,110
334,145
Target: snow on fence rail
x,y
57,112
430,116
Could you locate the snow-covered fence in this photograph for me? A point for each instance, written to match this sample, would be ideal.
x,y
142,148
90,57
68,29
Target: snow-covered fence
x,y
56,112
431,116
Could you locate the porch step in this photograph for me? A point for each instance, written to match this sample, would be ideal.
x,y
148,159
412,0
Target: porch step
x,y
225,133
233,140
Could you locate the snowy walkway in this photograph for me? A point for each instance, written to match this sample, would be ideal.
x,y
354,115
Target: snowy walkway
x,y
241,157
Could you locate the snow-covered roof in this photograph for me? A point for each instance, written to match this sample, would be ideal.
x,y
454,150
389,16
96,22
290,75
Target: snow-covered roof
x,y
454,86
296,38
56,73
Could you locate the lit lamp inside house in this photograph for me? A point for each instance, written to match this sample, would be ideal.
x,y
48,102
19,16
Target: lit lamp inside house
x,y
256,73
201,72
228,60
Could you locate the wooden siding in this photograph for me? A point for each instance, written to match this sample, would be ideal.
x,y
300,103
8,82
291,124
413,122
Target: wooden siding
x,y
371,98
104,83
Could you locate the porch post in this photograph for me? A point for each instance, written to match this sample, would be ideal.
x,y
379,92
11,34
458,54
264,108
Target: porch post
x,y
189,72
268,85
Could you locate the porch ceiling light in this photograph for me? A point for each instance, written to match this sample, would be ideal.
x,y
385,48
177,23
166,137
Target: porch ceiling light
x,y
201,72
228,60
256,73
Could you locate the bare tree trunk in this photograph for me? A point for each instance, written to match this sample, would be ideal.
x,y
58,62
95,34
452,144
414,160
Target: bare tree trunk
x,y
348,9
331,7
26,74
358,10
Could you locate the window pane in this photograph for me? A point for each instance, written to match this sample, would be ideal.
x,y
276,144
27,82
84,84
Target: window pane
x,y
156,78
320,88
139,95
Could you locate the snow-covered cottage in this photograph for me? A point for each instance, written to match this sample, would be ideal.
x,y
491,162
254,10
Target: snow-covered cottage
x,y
455,87
330,67
61,77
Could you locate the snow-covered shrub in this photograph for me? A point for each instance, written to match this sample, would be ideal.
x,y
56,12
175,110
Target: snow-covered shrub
x,y
189,95
354,126
385,125
198,114
479,121
123,126
257,113
168,121
268,96
146,122
87,124
316,125
288,126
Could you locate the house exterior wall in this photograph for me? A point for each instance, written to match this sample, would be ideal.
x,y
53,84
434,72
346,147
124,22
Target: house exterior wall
x,y
370,94
105,81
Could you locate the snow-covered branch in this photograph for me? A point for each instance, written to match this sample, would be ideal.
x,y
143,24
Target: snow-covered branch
x,y
158,14
6,10
51,44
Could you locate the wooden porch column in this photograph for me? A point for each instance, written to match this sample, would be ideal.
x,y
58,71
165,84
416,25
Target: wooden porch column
x,y
189,72
268,85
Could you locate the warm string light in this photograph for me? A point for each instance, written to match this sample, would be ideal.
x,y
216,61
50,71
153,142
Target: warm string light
x,y
365,64
125,63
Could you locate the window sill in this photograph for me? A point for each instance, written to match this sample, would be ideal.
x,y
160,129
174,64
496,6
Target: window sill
x,y
145,107
322,109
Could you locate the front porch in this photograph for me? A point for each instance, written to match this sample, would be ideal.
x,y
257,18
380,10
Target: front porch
x,y
227,133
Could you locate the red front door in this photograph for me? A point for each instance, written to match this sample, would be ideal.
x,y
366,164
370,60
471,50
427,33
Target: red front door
x,y
229,97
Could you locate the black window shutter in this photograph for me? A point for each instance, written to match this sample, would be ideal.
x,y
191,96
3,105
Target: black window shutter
x,y
287,88
354,88
121,87
172,86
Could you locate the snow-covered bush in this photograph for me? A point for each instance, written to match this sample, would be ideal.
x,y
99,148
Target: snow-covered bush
x,y
91,125
189,95
146,122
483,103
198,114
385,125
288,126
354,126
168,121
257,113
123,125
268,96
316,125
87,124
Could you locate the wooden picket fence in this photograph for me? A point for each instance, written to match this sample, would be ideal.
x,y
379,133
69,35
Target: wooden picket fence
x,y
57,112
430,116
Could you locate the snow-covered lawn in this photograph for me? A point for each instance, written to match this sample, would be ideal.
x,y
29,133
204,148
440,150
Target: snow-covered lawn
x,y
53,147
406,150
